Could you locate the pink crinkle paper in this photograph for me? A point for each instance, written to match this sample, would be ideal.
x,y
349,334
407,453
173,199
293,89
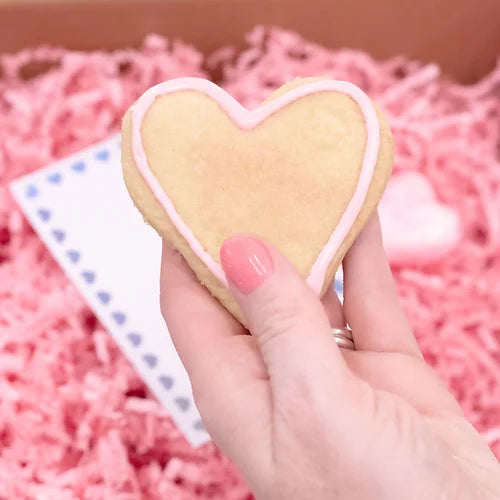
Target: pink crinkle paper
x,y
76,422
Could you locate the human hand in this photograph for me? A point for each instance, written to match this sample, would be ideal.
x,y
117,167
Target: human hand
x,y
304,419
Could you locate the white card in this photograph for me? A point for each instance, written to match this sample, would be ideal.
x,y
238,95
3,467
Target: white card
x,y
80,208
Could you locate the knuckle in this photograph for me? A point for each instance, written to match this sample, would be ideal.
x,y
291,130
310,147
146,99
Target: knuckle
x,y
278,316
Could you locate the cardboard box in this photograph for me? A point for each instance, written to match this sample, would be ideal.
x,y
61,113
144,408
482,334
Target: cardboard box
x,y
463,36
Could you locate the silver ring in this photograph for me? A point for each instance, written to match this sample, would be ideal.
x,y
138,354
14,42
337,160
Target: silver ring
x,y
343,337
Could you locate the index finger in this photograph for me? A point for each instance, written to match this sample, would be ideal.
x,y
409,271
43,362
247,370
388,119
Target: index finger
x,y
371,302
196,321
226,371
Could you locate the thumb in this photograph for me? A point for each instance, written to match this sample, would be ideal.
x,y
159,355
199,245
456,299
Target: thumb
x,y
282,312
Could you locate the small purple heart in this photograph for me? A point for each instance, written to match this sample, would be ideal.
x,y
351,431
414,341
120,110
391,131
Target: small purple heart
x,y
166,381
44,214
31,191
182,403
78,166
119,317
73,256
339,287
88,276
198,425
102,155
135,338
58,235
104,297
150,359
54,178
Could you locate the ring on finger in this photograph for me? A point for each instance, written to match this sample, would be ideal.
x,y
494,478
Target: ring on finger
x,y
343,337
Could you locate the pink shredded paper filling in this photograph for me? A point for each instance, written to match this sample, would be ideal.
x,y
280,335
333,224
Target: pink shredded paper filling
x,y
75,419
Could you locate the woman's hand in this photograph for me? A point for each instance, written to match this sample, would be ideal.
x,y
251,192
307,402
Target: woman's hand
x,y
304,419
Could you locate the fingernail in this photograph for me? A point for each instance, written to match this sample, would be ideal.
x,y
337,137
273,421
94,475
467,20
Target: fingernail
x,y
246,262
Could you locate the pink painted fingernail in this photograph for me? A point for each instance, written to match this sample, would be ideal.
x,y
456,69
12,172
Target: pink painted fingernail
x,y
246,262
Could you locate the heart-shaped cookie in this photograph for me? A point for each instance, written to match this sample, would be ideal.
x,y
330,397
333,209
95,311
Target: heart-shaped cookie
x,y
417,228
303,171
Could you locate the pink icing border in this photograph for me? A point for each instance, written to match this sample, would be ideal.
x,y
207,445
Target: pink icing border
x,y
246,120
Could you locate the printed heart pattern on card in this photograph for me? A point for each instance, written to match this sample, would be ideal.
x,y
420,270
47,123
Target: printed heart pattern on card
x,y
303,171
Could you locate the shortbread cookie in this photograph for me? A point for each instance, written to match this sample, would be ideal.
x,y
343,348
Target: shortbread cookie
x,y
303,171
